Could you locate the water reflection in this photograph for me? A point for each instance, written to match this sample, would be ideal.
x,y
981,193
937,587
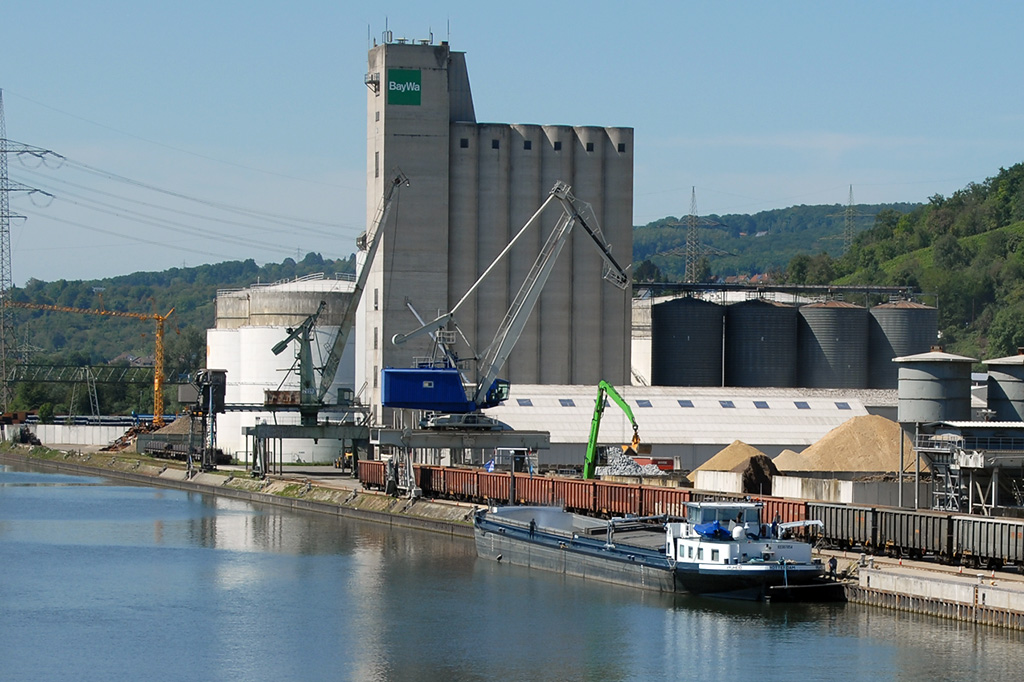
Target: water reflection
x,y
237,591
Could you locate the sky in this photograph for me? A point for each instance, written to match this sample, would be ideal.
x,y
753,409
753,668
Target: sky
x,y
197,132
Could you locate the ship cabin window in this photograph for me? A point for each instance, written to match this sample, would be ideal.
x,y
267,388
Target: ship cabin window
x,y
724,515
700,554
689,551
715,555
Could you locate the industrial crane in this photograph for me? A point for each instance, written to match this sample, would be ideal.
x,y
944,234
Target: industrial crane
x,y
311,396
158,369
440,388
603,389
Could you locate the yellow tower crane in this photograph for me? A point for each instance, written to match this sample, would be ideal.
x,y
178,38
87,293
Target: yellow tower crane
x,y
158,370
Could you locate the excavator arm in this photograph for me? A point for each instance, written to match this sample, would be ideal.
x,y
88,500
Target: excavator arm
x,y
605,389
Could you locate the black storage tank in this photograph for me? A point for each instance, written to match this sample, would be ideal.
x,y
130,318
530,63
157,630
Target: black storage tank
x,y
760,344
833,345
686,343
895,330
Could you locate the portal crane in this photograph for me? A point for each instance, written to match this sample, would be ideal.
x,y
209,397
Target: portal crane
x,y
311,397
158,369
603,389
445,391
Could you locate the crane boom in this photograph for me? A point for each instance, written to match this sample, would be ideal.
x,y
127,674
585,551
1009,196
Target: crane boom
x,y
603,389
372,241
158,359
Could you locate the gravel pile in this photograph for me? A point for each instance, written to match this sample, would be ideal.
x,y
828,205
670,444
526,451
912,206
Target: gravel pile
x,y
620,464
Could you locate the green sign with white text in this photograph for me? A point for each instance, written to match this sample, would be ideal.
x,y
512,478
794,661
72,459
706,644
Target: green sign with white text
x,y
404,86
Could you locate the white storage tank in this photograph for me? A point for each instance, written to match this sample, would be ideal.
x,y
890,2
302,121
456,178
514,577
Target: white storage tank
x,y
934,386
1006,387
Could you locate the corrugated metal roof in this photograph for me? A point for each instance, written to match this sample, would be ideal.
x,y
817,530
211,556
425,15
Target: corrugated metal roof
x,y
757,416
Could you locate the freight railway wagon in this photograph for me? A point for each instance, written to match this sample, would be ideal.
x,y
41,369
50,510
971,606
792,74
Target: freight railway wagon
x,y
949,538
591,497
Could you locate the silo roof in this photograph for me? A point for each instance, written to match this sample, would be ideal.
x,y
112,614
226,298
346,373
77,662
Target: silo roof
x,y
1008,360
935,356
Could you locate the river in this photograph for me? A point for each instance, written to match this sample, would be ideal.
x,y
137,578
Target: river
x,y
104,581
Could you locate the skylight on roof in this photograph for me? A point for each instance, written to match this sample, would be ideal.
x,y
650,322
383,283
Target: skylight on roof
x,y
761,404
524,402
643,403
685,403
726,403
566,402
843,406
801,405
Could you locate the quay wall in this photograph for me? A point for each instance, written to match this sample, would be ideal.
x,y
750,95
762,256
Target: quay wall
x,y
970,598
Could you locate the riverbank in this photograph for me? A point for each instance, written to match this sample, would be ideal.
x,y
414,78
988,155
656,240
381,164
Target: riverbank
x,y
301,491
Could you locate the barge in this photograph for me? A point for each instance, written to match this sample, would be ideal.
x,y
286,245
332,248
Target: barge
x,y
721,549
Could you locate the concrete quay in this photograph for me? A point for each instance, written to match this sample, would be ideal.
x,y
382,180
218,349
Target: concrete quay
x,y
978,596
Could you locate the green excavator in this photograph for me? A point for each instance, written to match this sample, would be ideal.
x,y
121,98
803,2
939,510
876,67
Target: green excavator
x,y
605,389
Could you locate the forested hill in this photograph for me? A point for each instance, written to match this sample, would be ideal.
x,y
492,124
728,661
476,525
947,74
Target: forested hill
x,y
967,249
759,243
70,338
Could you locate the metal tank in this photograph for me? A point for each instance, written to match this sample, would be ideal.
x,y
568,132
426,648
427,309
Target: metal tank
x,y
934,386
760,344
832,340
1006,387
686,343
894,330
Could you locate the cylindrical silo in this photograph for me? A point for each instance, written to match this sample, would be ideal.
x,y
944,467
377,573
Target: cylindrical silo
x,y
686,343
894,330
934,386
588,288
760,344
833,345
1006,388
556,297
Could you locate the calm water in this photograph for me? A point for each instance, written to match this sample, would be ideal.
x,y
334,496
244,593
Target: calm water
x,y
108,582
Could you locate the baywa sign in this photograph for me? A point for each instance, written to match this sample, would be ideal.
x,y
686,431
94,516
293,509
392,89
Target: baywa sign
x,y
404,86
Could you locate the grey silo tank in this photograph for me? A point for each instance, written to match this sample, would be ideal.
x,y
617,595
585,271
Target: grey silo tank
x,y
832,345
895,330
760,344
1006,387
934,386
686,343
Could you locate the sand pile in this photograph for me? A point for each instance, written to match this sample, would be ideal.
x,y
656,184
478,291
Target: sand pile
x,y
790,460
867,443
736,454
180,425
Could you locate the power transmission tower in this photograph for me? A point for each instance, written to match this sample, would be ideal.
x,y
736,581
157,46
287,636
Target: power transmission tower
x,y
692,240
849,216
7,345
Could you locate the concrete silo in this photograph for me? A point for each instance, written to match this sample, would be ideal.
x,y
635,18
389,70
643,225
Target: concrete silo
x,y
934,386
1006,387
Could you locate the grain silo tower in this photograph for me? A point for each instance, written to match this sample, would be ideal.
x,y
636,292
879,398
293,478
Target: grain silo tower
x,y
686,343
934,386
760,344
833,345
1006,387
895,330
250,322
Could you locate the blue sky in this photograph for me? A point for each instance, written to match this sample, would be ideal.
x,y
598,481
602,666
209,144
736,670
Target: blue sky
x,y
261,106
